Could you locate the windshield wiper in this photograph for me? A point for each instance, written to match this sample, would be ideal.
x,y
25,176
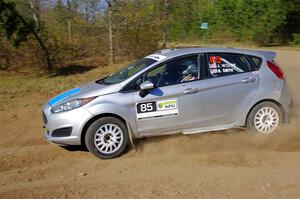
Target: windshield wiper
x,y
101,81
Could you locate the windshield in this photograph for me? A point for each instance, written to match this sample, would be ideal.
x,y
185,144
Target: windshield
x,y
127,72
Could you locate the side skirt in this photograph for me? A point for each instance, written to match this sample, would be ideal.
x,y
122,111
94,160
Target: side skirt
x,y
195,130
210,128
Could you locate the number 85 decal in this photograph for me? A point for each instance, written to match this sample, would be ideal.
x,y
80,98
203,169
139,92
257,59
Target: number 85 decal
x,y
146,107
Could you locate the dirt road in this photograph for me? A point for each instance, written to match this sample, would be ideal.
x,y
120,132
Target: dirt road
x,y
226,164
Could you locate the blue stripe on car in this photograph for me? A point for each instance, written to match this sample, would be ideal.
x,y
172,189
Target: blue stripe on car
x,y
63,95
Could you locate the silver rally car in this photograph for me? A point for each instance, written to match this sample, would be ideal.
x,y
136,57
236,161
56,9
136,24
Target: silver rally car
x,y
188,90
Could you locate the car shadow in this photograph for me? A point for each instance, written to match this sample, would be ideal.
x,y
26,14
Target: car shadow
x,y
81,148
75,148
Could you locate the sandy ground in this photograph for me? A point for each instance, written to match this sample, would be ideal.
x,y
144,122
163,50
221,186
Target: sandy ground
x,y
226,164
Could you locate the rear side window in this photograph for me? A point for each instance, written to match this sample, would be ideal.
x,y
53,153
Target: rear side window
x,y
256,61
224,64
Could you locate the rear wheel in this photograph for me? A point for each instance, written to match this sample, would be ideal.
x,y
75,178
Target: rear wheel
x,y
107,138
265,118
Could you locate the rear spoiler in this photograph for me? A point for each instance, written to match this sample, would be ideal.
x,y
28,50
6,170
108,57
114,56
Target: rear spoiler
x,y
269,55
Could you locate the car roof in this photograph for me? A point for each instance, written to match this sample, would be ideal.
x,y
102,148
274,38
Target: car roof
x,y
175,52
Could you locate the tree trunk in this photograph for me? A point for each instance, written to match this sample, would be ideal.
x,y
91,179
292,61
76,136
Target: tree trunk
x,y
86,12
165,21
111,59
35,34
36,9
44,49
4,56
69,24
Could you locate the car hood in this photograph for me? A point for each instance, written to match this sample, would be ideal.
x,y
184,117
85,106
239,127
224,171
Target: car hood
x,y
90,89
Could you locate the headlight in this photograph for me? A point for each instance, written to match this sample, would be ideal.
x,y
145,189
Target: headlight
x,y
72,104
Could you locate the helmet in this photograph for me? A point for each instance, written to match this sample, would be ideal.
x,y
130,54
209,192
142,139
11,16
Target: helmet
x,y
191,70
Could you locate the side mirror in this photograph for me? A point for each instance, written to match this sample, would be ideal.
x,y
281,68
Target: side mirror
x,y
145,87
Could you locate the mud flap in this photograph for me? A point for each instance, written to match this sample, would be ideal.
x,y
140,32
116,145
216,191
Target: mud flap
x,y
130,136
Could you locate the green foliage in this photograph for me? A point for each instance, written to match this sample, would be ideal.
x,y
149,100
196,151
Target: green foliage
x,y
257,20
240,20
292,21
137,31
296,39
73,30
184,18
15,30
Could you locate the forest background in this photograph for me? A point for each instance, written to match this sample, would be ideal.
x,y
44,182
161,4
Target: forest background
x,y
45,36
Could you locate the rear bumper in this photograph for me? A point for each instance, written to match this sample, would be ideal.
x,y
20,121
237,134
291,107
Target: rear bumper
x,y
286,101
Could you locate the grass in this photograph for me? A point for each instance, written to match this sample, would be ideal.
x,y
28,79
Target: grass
x,y
17,85
20,83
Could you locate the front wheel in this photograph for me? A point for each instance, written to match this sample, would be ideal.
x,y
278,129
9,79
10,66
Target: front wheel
x,y
107,138
265,118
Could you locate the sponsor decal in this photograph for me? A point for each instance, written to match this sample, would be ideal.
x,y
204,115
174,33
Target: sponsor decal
x,y
212,66
167,105
155,109
215,59
216,66
215,71
227,70
228,65
156,57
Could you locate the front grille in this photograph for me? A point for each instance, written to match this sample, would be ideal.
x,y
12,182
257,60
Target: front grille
x,y
62,132
45,120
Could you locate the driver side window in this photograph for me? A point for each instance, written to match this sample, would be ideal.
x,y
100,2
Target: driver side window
x,y
154,75
173,72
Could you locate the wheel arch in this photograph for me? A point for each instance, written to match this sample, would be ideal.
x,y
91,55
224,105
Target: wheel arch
x,y
93,119
285,119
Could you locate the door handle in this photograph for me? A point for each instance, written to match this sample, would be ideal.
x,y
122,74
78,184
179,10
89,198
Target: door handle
x,y
249,79
191,90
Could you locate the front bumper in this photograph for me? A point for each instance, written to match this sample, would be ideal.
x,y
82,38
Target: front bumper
x,y
70,140
76,119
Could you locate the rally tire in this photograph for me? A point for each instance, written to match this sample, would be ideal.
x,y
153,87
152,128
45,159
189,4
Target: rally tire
x,y
265,118
107,138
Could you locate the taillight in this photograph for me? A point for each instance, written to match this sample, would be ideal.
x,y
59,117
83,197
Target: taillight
x,y
275,69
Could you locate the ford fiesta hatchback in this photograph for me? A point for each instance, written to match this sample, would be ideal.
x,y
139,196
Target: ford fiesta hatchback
x,y
187,91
